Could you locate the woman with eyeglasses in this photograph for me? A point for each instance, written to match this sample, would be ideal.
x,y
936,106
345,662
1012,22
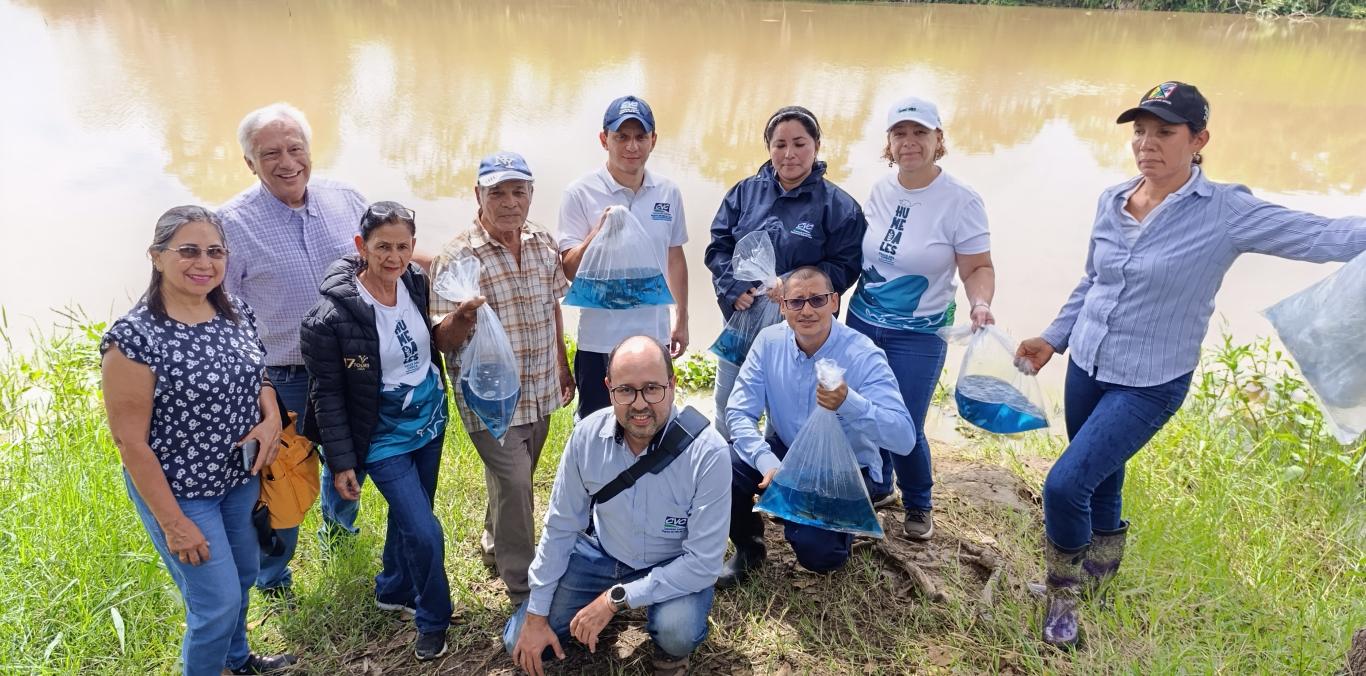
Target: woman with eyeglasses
x,y
810,220
195,421
377,404
924,228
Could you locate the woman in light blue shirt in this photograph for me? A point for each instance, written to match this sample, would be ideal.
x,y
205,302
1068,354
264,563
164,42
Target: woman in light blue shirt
x,y
1160,246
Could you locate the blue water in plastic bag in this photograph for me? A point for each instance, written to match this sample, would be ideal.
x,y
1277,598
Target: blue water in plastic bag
x,y
621,293
995,406
732,346
743,327
812,509
495,413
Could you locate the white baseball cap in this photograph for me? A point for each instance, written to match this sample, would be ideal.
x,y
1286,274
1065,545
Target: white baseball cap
x,y
915,110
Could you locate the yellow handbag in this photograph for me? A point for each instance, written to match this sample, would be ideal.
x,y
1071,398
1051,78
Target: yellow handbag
x,y
290,485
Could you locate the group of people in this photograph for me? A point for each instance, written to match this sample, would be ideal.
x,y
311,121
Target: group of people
x,y
300,296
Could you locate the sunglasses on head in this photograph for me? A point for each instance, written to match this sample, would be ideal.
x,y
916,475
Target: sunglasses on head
x,y
190,252
796,304
383,213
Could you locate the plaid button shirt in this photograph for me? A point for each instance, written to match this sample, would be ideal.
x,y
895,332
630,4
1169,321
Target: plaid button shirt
x,y
525,298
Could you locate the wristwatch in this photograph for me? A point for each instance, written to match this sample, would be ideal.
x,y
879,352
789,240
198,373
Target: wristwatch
x,y
617,597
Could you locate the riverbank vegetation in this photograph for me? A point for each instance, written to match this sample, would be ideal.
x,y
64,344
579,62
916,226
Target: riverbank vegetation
x,y
1247,555
1296,9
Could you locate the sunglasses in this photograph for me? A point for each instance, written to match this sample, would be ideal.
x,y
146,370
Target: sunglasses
x,y
189,252
796,304
384,213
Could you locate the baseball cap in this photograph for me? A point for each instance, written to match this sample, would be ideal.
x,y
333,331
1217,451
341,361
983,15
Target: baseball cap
x,y
628,108
503,166
1174,102
915,110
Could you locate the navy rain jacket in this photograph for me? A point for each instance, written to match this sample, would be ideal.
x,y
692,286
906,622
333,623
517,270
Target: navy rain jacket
x,y
815,223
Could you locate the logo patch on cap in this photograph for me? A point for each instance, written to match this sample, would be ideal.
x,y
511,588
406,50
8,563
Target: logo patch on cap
x,y
629,108
907,109
1162,91
505,161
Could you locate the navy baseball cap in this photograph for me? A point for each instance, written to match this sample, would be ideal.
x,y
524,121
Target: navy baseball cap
x,y
1174,102
628,108
503,166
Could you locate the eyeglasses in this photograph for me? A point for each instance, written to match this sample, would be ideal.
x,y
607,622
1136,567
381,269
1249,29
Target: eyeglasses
x,y
625,395
189,252
384,213
796,304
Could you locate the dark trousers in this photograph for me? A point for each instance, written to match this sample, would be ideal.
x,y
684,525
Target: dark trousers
x,y
817,549
590,372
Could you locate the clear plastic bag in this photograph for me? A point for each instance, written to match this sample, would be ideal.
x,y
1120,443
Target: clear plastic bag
x,y
619,270
490,380
1324,327
752,261
820,483
992,392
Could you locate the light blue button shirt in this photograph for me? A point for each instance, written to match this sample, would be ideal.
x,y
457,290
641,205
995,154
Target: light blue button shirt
x,y
1140,312
680,516
779,378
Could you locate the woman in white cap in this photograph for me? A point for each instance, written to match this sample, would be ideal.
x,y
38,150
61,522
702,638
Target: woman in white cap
x,y
925,228
1160,246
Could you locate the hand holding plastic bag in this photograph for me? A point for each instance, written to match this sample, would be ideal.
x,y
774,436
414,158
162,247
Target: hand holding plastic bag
x,y
490,381
619,270
996,391
752,261
1324,327
820,483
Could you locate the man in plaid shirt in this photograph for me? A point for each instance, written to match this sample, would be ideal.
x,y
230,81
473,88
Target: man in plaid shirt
x,y
522,280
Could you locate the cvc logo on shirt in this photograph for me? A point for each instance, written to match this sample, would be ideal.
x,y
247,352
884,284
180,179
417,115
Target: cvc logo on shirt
x,y
675,524
663,212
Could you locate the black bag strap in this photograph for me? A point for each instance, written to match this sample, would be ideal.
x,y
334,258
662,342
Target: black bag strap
x,y
677,438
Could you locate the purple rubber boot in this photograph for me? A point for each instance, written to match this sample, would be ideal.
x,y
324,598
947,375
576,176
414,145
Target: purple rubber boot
x,y
1102,560
1061,591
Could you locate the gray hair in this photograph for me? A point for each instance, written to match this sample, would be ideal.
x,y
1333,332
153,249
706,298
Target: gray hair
x,y
275,112
167,226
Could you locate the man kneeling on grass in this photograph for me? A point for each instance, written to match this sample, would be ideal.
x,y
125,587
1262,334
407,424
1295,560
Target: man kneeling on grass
x,y
612,543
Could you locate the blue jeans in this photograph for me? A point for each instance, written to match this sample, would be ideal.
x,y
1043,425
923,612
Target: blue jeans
x,y
726,373
916,359
414,572
338,513
216,591
1106,425
677,626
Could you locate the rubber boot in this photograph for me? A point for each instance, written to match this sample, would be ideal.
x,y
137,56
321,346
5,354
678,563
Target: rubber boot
x,y
1061,591
1103,559
737,568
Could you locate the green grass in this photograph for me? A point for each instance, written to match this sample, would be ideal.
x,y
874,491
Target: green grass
x,y
1247,555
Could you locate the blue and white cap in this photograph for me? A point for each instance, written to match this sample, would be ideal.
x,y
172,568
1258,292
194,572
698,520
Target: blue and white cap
x,y
628,108
503,166
914,109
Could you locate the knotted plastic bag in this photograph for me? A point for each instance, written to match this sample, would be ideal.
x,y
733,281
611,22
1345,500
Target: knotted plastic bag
x,y
619,270
1324,327
820,483
752,261
490,381
992,392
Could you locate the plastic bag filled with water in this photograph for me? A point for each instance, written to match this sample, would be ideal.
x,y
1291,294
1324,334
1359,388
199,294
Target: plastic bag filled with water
x,y
1324,327
490,381
820,483
620,270
752,261
992,393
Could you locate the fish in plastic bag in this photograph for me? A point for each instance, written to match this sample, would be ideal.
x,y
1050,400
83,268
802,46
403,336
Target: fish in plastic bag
x,y
819,483
490,381
619,270
992,392
752,261
1324,327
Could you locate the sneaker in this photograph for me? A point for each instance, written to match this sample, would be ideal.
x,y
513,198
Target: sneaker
x,y
430,646
919,525
884,500
406,611
265,664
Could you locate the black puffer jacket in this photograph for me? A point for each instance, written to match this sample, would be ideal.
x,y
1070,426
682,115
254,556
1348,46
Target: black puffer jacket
x,y
341,350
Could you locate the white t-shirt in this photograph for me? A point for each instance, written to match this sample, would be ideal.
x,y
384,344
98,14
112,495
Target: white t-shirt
x,y
910,273
658,205
405,345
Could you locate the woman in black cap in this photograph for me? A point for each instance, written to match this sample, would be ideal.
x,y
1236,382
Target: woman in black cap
x,y
1160,246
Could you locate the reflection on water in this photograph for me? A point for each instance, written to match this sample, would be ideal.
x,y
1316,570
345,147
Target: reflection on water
x,y
132,107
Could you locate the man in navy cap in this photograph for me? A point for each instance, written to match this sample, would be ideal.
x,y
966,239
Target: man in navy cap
x,y
628,136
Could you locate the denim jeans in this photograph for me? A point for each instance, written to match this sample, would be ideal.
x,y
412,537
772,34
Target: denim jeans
x,y
916,359
677,626
216,591
726,373
338,513
414,572
1106,425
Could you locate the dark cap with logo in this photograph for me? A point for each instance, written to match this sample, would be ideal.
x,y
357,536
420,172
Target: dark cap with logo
x,y
628,108
1174,102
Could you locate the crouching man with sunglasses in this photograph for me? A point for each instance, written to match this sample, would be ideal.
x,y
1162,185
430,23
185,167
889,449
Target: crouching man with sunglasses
x,y
638,518
779,377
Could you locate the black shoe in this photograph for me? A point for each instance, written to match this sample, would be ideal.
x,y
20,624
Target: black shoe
x,y
430,646
266,664
281,596
738,567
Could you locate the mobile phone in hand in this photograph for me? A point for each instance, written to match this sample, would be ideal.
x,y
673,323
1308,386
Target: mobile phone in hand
x,y
249,450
